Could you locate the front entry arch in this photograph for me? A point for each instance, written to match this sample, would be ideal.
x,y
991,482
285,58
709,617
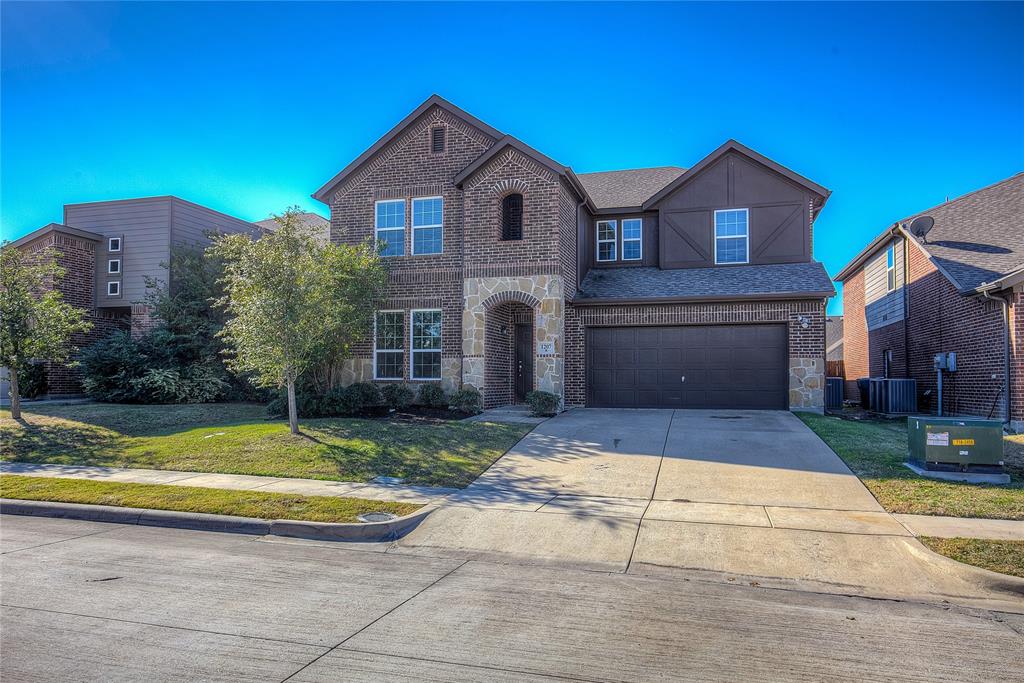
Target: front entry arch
x,y
508,353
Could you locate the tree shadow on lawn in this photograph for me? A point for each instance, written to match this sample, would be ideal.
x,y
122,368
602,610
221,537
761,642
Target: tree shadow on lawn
x,y
59,442
450,455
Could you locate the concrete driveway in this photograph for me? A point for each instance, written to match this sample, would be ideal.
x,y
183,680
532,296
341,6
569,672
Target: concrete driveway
x,y
745,495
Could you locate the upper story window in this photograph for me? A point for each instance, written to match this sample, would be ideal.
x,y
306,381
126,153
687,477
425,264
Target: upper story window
x,y
113,266
114,288
389,345
426,344
606,240
390,226
437,135
427,225
732,236
512,217
890,268
114,244
632,239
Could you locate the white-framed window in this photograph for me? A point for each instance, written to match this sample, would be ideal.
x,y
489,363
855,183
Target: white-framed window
x,y
427,225
606,240
425,335
632,239
732,244
389,224
389,345
890,268
114,244
113,266
114,288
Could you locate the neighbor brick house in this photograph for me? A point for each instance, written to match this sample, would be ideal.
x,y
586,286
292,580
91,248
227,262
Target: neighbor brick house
x,y
656,287
958,288
108,249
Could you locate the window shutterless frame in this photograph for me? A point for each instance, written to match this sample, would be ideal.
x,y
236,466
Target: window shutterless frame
x,y
607,240
432,220
722,240
890,268
396,228
114,244
398,350
632,224
113,266
114,288
434,342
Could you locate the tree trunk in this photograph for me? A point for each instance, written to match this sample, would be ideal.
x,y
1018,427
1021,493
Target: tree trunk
x,y
15,397
293,415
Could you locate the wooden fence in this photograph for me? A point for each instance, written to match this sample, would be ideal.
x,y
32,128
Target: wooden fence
x,y
835,368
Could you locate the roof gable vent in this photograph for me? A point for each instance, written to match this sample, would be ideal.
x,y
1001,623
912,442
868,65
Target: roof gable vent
x,y
437,135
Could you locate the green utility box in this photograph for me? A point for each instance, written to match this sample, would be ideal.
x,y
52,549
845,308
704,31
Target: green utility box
x,y
961,441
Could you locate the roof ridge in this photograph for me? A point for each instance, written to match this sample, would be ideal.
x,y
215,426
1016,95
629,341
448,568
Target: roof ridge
x,y
641,168
961,197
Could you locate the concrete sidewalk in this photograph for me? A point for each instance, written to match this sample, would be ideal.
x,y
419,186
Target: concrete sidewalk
x,y
238,482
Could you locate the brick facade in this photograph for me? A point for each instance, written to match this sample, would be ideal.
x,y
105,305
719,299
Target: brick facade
x,y
484,285
77,256
939,319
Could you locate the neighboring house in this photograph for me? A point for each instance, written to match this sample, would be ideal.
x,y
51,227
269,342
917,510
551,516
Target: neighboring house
x,y
834,337
314,224
959,289
108,249
659,287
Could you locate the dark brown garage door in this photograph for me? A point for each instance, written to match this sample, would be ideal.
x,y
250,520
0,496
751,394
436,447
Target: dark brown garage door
x,y
714,366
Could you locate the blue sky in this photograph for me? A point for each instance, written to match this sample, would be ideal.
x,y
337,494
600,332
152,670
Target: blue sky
x,y
249,108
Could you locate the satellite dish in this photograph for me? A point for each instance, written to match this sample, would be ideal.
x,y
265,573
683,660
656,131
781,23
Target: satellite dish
x,y
920,226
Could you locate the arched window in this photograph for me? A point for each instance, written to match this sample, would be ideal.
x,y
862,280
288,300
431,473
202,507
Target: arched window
x,y
512,217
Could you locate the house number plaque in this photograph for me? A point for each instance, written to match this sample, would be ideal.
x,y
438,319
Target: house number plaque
x,y
546,348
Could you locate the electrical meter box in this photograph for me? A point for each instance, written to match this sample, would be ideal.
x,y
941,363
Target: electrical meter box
x,y
961,441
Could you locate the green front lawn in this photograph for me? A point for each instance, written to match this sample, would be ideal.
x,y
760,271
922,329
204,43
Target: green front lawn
x,y
236,439
876,449
194,499
1005,557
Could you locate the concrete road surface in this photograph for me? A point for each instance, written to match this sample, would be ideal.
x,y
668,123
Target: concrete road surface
x,y
86,601
754,495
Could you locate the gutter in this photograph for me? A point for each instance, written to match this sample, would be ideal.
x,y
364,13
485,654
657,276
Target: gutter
x,y
985,290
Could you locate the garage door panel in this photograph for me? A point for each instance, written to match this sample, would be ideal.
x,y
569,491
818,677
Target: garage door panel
x,y
725,366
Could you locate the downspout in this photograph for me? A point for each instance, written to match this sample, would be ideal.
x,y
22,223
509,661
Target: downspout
x,y
1006,351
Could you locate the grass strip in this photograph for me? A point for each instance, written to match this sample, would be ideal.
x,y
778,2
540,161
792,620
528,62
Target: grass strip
x,y
256,504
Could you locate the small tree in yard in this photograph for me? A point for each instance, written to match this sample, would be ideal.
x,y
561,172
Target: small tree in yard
x,y
293,303
35,321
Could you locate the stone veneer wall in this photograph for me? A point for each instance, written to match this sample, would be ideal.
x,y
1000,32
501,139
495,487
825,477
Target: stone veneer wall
x,y
544,294
806,345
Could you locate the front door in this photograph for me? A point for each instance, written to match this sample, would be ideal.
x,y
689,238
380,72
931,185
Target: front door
x,y
522,363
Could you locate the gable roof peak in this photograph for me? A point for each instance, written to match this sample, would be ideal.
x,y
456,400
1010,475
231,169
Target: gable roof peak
x,y
435,100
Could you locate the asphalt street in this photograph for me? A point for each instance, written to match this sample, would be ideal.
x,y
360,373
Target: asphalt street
x,y
86,601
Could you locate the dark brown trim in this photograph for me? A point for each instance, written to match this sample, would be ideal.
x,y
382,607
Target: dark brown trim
x,y
734,146
56,227
323,194
791,296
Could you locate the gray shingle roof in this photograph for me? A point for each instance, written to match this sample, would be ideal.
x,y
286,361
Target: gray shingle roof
x,y
979,237
613,189
797,279
317,225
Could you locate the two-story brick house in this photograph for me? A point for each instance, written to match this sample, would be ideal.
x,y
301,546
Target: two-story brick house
x,y
959,287
658,287
108,249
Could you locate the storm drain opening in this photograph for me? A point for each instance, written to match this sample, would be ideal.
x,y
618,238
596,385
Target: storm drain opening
x,y
369,517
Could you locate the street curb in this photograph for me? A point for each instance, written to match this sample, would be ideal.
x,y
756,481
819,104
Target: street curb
x,y
373,531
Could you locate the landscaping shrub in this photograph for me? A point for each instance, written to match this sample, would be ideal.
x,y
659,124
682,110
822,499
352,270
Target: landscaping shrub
x,y
398,396
432,396
307,403
543,403
467,401
32,380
